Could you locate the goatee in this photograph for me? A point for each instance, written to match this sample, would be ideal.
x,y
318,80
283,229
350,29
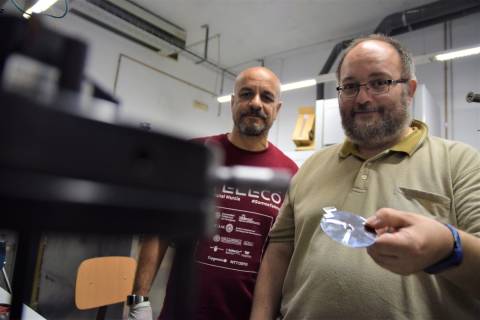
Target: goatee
x,y
252,129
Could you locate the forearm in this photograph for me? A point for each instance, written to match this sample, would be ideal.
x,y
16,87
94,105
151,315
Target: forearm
x,y
268,289
467,274
151,254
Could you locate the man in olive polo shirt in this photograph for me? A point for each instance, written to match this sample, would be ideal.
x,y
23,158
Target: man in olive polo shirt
x,y
421,194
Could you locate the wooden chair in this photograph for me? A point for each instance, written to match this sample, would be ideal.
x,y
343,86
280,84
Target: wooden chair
x,y
104,281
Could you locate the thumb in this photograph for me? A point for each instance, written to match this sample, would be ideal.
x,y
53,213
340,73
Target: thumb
x,y
389,218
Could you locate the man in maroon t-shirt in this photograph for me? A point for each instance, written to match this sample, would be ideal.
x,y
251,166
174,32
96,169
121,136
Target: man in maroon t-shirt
x,y
227,262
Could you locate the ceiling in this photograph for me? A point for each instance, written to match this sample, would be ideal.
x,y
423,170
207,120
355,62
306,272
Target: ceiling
x,y
254,29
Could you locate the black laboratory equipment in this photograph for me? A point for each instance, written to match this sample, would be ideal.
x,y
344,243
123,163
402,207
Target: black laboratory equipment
x,y
61,171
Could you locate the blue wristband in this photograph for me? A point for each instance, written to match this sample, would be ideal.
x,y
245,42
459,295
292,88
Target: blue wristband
x,y
454,259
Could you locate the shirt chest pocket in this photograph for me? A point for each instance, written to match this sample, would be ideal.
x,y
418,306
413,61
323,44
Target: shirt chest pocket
x,y
423,202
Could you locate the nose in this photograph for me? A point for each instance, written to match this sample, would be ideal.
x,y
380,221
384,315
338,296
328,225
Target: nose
x,y
363,95
256,101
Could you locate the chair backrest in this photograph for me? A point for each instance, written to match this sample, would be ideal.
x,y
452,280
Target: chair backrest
x,y
104,281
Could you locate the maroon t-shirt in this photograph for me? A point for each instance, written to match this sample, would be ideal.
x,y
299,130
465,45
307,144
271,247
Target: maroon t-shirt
x,y
227,263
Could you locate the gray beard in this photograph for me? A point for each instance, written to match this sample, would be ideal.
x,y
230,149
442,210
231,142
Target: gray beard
x,y
251,130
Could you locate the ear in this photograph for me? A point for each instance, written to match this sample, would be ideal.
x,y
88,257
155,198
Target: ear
x,y
412,87
232,101
277,108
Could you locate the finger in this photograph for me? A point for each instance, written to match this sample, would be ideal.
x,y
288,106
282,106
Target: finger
x,y
380,231
392,244
385,260
375,251
391,262
388,217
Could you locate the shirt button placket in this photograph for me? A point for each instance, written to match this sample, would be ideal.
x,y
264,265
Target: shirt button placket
x,y
364,175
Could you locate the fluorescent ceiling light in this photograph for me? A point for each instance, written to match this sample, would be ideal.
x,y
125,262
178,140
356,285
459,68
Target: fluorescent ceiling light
x,y
224,99
298,85
457,54
419,60
38,7
284,87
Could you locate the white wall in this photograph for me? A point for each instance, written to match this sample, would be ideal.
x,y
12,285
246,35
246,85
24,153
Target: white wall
x,y
144,99
461,75
294,66
466,77
448,83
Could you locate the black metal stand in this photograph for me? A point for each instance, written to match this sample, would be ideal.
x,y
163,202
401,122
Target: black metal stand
x,y
28,241
65,173
54,176
185,280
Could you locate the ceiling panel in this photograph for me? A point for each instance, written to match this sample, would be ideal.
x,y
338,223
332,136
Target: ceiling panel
x,y
253,29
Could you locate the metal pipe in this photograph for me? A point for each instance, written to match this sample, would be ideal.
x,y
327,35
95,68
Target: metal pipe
x,y
339,47
210,63
205,50
445,83
408,20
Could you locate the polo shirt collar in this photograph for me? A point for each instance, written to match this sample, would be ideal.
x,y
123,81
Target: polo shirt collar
x,y
407,145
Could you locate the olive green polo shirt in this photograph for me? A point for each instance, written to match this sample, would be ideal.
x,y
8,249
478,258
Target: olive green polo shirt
x,y
408,145
421,174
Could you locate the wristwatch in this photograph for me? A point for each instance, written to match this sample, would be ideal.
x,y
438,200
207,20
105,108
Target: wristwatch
x,y
135,299
454,259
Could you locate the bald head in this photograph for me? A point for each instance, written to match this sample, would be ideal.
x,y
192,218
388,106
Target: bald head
x,y
259,74
406,60
255,104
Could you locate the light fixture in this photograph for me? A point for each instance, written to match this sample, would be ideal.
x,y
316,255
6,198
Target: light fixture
x,y
298,85
457,54
283,88
38,7
224,99
419,60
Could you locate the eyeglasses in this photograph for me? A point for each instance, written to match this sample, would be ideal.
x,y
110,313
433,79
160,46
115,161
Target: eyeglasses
x,y
375,87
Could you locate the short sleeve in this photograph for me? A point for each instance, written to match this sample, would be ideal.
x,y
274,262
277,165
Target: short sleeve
x,y
466,184
284,228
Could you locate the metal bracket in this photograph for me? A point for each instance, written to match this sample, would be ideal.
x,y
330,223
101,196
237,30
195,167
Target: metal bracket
x,y
205,51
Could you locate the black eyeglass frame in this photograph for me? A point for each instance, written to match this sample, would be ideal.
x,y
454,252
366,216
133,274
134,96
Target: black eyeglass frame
x,y
388,82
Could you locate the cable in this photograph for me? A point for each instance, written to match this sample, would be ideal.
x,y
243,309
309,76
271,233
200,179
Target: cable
x,y
19,8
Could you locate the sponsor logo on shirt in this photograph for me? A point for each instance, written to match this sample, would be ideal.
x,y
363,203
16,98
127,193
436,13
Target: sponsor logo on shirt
x,y
233,193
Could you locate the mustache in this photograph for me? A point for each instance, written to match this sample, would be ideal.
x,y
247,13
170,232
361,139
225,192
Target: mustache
x,y
254,113
359,108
